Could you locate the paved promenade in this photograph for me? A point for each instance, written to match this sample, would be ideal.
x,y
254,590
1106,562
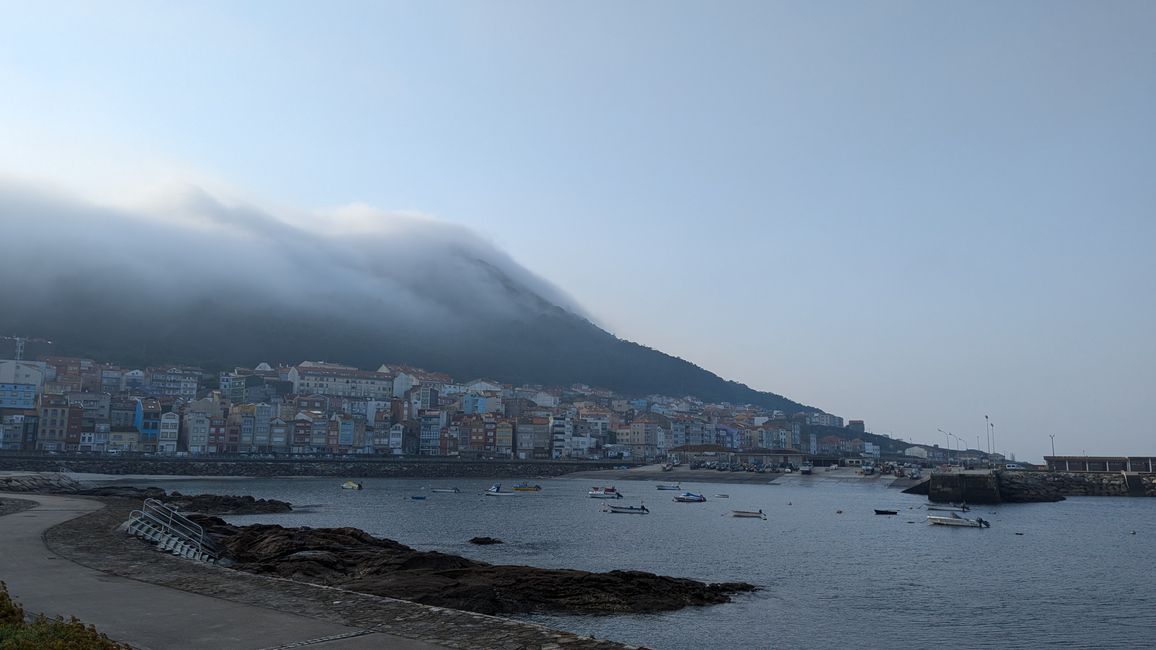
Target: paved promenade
x,y
150,616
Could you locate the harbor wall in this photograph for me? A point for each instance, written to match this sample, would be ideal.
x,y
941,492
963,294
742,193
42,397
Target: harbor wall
x,y
1030,487
343,468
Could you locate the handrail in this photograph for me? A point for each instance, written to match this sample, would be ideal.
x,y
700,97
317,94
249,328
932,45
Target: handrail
x,y
170,520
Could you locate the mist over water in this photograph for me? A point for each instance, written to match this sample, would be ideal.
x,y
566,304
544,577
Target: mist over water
x,y
1076,577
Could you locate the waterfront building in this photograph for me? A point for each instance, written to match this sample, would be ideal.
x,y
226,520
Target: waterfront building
x,y
18,396
196,430
168,433
174,382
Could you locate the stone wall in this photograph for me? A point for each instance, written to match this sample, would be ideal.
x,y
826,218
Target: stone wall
x,y
1022,487
1031,487
378,468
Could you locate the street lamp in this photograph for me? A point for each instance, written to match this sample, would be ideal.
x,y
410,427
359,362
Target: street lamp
x,y
1053,437
946,439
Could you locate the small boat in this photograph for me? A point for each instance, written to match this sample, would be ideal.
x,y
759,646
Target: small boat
x,y
604,493
495,490
722,496
886,512
690,497
526,487
956,520
351,485
625,510
418,498
752,514
948,507
667,486
452,490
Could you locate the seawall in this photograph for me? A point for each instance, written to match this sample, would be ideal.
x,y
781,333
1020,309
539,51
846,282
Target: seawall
x,y
1029,487
344,468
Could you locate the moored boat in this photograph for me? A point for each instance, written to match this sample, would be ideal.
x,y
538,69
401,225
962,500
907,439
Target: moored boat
x,y
604,493
886,512
690,497
418,497
526,487
752,514
351,485
626,510
452,490
667,486
495,490
956,520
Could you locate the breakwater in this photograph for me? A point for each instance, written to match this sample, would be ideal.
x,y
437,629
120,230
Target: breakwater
x,y
371,468
1030,487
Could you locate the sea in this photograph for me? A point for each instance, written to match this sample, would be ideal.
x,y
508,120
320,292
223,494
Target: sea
x,y
831,573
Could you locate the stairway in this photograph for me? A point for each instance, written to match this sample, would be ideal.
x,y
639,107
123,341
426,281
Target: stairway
x,y
171,532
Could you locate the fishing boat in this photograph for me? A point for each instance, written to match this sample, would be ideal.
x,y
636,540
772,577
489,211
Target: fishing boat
x,y
452,490
886,512
351,485
956,520
526,487
690,497
667,486
752,514
948,507
626,510
604,493
495,490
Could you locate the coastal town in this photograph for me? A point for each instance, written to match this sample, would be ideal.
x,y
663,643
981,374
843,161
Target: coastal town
x,y
76,405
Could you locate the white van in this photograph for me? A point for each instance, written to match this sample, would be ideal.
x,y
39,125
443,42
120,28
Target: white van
x,y
1012,466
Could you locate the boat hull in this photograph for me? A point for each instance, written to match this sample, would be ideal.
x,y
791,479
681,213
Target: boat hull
x,y
958,522
748,514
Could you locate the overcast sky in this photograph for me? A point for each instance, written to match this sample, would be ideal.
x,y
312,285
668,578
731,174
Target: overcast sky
x,y
909,213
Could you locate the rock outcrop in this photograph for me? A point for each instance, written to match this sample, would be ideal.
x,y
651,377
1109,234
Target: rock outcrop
x,y
353,559
209,504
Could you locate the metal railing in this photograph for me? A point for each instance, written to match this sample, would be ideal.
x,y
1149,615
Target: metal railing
x,y
170,521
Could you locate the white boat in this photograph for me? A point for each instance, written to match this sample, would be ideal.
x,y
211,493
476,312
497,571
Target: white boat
x,y
749,513
722,496
351,485
663,486
690,497
604,493
956,520
452,490
625,510
495,490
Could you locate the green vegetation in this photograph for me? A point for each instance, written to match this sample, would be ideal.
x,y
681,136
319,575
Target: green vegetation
x,y
45,633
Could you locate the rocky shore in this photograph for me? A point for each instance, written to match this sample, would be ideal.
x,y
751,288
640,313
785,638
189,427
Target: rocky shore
x,y
208,504
95,541
352,559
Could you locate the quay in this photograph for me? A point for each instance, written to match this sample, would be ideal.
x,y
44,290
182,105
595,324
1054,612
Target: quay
x,y
1015,486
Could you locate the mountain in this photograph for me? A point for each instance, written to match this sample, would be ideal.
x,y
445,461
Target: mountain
x,y
215,285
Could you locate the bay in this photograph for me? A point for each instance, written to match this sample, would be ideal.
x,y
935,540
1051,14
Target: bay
x,y
831,573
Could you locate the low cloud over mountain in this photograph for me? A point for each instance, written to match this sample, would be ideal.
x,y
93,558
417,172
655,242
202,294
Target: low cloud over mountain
x,y
192,278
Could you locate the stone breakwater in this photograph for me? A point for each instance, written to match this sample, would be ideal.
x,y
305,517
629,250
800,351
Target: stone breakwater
x,y
1025,487
1032,487
344,467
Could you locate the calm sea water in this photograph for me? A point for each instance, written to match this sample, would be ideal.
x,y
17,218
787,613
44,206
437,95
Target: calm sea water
x,y
1077,576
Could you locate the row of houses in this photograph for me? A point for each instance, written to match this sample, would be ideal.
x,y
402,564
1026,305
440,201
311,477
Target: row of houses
x,y
66,404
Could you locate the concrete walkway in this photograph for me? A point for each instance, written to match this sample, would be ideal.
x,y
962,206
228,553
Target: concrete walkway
x,y
150,616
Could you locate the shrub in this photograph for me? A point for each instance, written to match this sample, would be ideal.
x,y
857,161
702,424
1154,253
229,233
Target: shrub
x,y
47,633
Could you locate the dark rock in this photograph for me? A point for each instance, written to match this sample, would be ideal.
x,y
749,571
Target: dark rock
x,y
210,504
353,559
481,541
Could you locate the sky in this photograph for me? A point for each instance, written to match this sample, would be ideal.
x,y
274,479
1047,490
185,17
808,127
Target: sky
x,y
915,214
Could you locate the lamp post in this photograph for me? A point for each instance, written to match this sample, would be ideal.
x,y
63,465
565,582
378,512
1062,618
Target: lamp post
x,y
946,439
987,432
1053,437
